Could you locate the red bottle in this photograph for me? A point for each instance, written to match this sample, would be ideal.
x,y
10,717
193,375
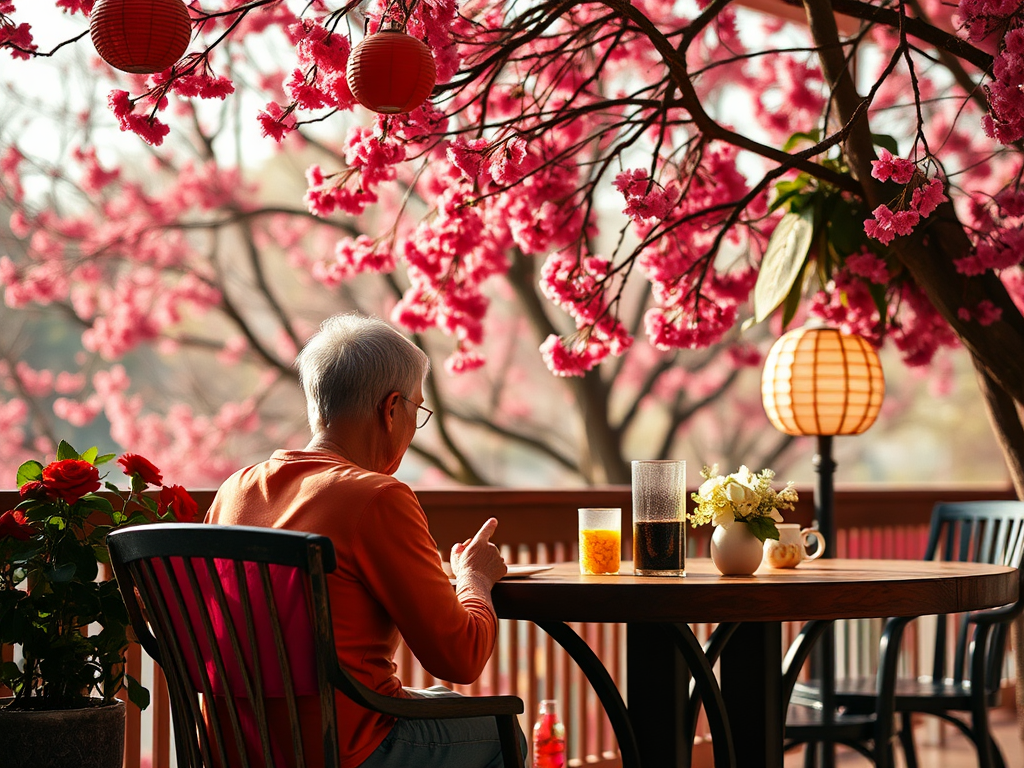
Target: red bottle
x,y
548,737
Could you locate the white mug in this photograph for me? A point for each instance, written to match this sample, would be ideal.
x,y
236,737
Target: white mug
x,y
791,548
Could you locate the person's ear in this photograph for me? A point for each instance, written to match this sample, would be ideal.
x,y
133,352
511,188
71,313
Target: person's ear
x,y
388,409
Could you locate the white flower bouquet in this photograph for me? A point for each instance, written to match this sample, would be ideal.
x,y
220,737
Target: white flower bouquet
x,y
742,497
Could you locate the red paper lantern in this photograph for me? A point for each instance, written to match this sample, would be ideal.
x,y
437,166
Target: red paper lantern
x,y
391,72
140,36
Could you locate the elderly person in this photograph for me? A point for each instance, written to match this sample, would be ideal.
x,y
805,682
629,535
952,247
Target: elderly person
x,y
363,386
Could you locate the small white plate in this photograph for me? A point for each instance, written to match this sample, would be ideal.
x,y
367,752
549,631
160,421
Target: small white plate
x,y
514,571
522,571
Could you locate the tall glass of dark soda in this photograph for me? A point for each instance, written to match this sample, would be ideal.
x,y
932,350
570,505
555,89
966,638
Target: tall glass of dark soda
x,y
659,516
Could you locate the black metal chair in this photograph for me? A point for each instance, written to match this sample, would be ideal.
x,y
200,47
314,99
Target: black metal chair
x,y
869,730
239,620
962,684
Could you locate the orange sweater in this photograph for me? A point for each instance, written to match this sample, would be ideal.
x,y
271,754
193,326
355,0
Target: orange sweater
x,y
388,582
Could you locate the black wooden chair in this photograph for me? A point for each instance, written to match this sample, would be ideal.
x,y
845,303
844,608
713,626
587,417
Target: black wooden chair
x,y
968,649
239,620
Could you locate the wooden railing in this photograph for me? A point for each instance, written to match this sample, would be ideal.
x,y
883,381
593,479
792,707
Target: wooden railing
x,y
539,526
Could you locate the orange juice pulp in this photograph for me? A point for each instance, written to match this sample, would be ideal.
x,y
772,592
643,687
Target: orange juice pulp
x,y
599,551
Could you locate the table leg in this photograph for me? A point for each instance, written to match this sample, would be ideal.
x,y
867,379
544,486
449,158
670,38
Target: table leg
x,y
657,688
751,675
603,685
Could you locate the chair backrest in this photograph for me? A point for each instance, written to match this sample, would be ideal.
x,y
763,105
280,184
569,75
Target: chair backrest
x,y
975,532
239,620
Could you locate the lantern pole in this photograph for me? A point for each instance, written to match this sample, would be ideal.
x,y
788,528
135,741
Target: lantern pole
x,y
823,658
824,493
800,366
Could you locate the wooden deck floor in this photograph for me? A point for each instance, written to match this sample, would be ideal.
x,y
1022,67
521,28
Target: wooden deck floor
x,y
944,748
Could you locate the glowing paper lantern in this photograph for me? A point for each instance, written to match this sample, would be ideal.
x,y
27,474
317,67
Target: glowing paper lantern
x,y
391,72
140,36
819,381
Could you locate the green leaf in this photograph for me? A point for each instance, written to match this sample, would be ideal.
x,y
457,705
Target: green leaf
x,y
792,302
104,458
61,574
97,503
812,137
136,518
791,192
783,261
845,227
137,695
29,471
885,141
881,302
90,455
763,528
65,451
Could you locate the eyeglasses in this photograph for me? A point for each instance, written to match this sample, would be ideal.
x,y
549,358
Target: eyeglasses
x,y
421,419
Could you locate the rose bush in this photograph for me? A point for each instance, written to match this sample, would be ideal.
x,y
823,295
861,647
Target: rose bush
x,y
51,545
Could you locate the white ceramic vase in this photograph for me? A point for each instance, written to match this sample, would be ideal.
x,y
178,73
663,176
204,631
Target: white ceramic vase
x,y
736,551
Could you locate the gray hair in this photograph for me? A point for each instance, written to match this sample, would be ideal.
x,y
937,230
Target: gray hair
x,y
352,363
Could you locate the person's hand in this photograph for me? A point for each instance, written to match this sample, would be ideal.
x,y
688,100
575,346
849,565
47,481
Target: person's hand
x,y
478,557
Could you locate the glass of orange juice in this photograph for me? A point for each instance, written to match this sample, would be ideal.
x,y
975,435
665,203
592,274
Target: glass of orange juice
x,y
600,539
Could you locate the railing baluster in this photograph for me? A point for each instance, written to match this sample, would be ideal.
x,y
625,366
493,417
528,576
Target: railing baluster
x,y
162,744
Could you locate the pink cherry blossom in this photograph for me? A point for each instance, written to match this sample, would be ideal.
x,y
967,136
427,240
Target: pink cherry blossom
x,y
33,382
76,6
148,128
927,198
69,383
645,198
464,360
869,266
17,38
984,313
887,167
75,413
886,224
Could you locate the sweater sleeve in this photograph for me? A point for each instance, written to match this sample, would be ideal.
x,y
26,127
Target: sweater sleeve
x,y
400,566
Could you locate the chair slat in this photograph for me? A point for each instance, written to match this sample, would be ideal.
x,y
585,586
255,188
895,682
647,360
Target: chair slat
x,y
320,611
283,666
216,653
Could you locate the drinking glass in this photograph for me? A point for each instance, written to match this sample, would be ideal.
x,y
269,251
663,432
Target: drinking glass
x,y
659,515
600,539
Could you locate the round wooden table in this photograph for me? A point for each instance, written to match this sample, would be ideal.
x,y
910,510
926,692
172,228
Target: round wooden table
x,y
661,652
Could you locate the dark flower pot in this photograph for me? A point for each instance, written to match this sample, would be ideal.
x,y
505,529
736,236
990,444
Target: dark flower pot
x,y
91,737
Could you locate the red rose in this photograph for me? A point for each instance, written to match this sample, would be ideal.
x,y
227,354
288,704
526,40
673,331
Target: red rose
x,y
14,525
33,489
176,497
70,479
137,465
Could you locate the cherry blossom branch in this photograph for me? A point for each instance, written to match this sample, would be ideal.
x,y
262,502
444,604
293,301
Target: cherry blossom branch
x,y
681,415
915,27
681,79
42,54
